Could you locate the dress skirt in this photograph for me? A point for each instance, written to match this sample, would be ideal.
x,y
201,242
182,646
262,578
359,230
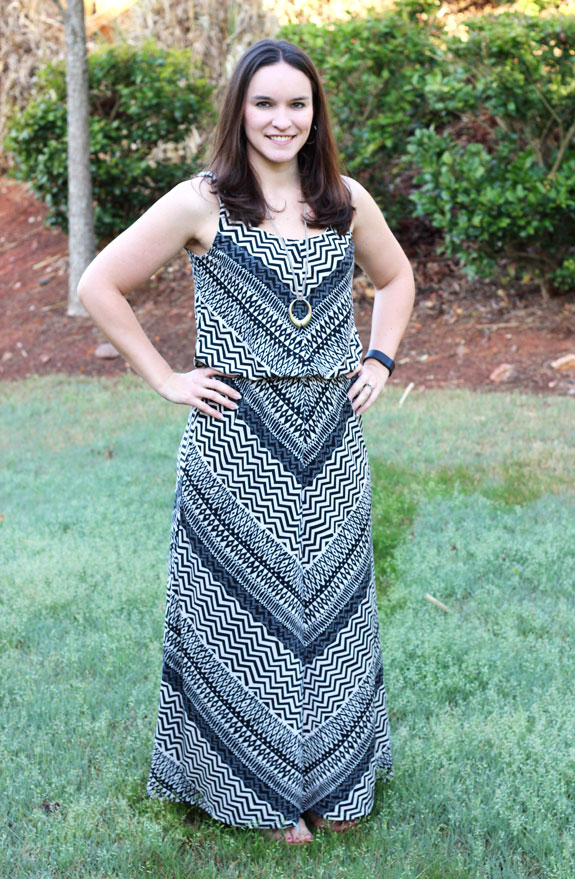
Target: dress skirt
x,y
272,699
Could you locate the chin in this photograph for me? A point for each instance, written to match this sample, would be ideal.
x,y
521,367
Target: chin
x,y
279,153
275,154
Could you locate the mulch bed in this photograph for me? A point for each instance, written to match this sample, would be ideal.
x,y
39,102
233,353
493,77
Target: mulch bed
x,y
459,334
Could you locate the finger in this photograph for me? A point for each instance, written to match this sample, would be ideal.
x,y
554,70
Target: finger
x,y
355,371
365,406
214,395
356,388
370,400
365,394
223,388
211,370
204,407
225,401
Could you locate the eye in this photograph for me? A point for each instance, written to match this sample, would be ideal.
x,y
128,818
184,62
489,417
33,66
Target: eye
x,y
298,104
262,103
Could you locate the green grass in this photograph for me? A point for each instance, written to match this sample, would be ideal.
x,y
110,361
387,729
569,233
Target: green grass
x,y
474,502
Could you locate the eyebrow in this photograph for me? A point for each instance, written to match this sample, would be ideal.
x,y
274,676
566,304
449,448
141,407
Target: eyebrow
x,y
267,98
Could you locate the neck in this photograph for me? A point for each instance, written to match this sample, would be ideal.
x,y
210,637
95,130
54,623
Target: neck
x,y
277,181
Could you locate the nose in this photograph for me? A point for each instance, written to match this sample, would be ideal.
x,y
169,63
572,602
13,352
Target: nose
x,y
280,120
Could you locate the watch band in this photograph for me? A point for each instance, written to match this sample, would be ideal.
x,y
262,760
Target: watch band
x,y
383,358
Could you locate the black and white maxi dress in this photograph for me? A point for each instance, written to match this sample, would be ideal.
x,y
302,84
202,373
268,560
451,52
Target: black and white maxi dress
x,y
272,699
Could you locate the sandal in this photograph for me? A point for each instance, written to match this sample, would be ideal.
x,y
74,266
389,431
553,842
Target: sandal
x,y
335,826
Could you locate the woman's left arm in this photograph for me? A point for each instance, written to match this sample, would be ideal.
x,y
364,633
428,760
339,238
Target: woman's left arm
x,y
380,255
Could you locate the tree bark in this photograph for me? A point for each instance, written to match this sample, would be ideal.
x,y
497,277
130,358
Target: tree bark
x,y
81,239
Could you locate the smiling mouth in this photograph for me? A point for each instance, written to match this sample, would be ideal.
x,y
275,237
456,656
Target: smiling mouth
x,y
281,138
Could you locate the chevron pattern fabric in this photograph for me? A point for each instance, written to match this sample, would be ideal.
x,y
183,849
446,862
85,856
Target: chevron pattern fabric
x,y
272,699
243,290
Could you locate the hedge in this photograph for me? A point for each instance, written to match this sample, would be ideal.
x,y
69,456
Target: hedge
x,y
141,98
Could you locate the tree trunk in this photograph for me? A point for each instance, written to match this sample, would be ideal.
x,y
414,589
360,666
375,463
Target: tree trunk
x,y
81,239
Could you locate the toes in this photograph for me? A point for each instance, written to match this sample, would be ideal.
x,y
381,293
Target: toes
x,y
292,835
298,835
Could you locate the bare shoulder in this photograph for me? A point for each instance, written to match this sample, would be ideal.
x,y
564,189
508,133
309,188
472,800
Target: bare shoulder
x,y
360,197
353,185
377,250
193,200
203,191
186,216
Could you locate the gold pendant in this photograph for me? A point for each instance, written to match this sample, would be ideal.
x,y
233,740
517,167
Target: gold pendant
x,y
300,323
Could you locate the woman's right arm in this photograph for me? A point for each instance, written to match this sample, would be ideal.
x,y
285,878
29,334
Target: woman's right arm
x,y
180,216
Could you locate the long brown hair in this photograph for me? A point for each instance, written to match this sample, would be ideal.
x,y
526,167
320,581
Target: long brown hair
x,y
320,174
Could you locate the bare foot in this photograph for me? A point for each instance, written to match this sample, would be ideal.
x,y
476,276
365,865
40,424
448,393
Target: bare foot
x,y
292,835
335,826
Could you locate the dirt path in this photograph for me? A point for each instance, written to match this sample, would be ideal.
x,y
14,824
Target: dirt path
x,y
458,335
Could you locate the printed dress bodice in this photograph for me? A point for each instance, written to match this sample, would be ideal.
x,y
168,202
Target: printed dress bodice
x,y
243,287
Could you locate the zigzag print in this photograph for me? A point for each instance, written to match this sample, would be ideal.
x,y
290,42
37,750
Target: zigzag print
x,y
208,779
334,753
236,639
333,676
243,286
238,316
247,469
333,495
326,250
359,798
303,415
272,698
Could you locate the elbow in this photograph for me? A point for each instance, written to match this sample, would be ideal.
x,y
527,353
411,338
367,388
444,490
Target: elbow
x,y
83,289
409,280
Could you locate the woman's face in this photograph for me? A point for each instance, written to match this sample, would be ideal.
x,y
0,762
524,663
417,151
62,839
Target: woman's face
x,y
278,113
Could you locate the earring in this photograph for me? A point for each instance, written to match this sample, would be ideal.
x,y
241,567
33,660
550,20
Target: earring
x,y
311,142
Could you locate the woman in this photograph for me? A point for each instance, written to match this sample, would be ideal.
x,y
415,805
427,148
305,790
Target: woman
x,y
272,705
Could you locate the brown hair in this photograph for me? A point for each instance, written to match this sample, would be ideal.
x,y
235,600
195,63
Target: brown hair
x,y
320,173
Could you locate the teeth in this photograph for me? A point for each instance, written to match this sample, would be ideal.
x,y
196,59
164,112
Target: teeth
x,y
282,138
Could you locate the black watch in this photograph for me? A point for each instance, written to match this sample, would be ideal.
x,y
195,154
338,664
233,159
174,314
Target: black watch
x,y
383,358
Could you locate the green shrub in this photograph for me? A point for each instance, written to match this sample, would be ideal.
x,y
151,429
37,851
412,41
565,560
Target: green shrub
x,y
496,172
140,98
373,70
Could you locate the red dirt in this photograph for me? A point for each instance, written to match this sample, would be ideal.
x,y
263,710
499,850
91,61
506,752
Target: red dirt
x,y
459,332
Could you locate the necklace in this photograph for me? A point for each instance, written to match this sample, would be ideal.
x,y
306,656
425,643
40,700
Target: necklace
x,y
300,291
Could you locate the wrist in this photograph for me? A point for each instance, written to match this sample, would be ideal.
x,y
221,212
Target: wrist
x,y
374,354
159,384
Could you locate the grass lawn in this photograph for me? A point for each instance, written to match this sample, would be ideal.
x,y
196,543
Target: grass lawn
x,y
473,502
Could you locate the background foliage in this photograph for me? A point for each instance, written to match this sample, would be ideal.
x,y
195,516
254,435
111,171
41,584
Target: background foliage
x,y
374,70
467,123
144,101
214,33
496,169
